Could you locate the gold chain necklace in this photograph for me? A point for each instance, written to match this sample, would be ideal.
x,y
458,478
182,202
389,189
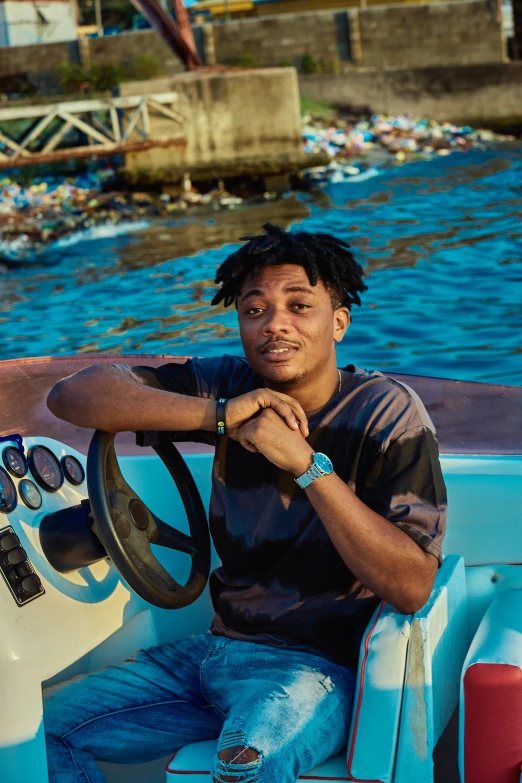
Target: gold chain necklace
x,y
340,380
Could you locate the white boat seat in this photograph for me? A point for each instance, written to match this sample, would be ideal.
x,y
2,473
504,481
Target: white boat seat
x,y
194,762
398,716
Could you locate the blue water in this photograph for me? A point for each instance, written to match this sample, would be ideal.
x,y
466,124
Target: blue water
x,y
441,241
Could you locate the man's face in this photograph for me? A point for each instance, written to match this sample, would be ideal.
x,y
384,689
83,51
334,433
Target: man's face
x,y
288,327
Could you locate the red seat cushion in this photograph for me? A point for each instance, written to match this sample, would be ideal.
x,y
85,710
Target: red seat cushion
x,y
492,723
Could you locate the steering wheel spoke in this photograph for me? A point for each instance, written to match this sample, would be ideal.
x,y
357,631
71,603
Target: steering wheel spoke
x,y
171,538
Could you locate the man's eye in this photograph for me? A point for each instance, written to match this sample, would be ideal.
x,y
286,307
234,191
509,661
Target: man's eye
x,y
254,310
301,305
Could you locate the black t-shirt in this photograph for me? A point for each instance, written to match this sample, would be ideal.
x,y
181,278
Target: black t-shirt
x,y
282,581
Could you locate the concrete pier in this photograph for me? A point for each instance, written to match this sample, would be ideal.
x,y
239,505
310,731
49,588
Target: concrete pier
x,y
234,122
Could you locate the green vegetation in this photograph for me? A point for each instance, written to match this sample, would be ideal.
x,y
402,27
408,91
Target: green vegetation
x,y
313,106
145,66
309,63
103,78
71,77
75,78
332,65
245,60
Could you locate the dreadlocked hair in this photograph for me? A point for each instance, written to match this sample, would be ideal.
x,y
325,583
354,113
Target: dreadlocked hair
x,y
323,257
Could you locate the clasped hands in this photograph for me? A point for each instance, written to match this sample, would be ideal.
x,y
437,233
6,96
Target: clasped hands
x,y
273,424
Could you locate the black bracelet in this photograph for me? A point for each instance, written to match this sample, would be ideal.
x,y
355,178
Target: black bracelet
x,y
221,416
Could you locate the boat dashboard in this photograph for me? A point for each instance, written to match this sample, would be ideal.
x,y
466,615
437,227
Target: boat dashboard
x,y
36,478
51,618
28,481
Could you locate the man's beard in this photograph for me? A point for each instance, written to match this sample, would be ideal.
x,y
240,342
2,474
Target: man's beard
x,y
287,383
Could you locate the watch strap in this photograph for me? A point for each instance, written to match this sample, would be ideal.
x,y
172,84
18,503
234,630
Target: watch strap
x,y
314,472
221,416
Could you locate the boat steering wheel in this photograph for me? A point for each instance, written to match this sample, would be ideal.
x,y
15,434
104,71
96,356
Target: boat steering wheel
x,y
127,527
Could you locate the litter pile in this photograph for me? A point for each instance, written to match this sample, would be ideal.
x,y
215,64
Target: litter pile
x,y
51,208
382,139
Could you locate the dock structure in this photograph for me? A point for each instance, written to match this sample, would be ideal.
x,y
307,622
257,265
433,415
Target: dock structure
x,y
101,127
211,125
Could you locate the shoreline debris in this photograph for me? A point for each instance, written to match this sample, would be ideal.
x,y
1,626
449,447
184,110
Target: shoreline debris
x,y
32,216
51,208
354,145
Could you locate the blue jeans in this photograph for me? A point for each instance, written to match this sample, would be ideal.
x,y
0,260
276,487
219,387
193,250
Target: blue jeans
x,y
293,708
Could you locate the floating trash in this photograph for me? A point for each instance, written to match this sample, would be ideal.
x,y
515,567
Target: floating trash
x,y
51,209
357,146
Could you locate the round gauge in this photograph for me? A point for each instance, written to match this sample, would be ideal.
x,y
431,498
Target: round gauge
x,y
14,461
30,494
8,498
73,470
45,468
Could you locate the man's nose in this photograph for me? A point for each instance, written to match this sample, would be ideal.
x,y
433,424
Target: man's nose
x,y
276,321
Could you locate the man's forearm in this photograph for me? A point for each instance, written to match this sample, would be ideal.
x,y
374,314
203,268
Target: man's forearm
x,y
384,558
112,399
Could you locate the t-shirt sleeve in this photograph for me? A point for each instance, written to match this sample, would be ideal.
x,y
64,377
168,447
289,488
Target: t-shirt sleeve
x,y
406,487
209,378
194,377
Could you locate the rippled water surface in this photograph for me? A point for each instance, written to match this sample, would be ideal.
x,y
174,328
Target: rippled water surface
x,y
441,242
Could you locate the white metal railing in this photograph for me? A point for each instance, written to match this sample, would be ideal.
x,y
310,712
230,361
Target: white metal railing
x,y
108,125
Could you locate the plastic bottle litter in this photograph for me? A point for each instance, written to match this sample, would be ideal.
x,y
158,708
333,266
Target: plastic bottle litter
x,y
355,145
51,208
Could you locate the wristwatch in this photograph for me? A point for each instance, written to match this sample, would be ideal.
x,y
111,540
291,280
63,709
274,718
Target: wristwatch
x,y
321,466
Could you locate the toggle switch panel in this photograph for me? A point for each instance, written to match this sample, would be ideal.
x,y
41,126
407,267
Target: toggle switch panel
x,y
17,570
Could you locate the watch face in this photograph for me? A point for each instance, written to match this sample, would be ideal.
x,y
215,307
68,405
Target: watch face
x,y
323,462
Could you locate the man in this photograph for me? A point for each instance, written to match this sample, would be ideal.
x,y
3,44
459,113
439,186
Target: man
x,y
327,497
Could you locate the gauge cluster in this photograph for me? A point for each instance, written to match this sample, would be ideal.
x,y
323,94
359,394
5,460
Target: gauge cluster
x,y
34,480
8,496
47,473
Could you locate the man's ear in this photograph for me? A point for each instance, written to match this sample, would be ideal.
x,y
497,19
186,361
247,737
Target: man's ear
x,y
341,323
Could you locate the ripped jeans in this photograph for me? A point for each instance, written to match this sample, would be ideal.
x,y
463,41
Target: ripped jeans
x,y
292,708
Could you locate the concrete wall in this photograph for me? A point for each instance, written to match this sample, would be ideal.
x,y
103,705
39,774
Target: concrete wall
x,y
228,118
43,22
433,34
40,62
272,40
390,36
40,58
123,48
447,33
480,95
